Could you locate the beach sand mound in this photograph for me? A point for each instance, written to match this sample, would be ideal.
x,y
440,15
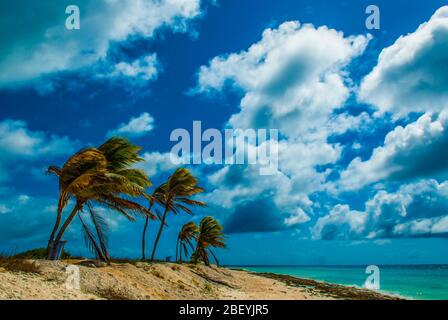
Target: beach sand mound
x,y
143,281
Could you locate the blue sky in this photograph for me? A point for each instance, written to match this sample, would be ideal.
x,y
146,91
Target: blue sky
x,y
363,117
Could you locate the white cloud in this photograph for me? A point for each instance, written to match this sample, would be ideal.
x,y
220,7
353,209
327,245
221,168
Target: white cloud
x,y
157,163
298,161
45,46
417,150
136,127
296,218
292,78
415,210
340,223
412,74
141,70
239,190
17,141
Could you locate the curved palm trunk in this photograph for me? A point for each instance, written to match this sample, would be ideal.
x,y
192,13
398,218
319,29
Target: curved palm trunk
x,y
144,236
92,239
63,228
55,228
144,239
162,224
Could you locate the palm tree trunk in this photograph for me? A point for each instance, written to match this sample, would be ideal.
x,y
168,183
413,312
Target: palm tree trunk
x,y
64,227
144,235
55,228
194,255
144,239
162,224
92,239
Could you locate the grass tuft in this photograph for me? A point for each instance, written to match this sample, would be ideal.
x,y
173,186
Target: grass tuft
x,y
208,288
112,293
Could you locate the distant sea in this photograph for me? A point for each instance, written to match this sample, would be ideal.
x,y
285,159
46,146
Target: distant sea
x,y
425,282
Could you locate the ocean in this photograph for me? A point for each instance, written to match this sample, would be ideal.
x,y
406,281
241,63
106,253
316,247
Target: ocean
x,y
423,282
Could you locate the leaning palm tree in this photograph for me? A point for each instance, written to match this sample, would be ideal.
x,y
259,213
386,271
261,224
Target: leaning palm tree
x,y
176,197
188,232
102,176
210,235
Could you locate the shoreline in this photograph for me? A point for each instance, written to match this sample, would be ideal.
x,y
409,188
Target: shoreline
x,y
166,281
332,290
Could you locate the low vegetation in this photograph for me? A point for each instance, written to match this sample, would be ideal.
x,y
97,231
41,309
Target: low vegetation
x,y
14,264
39,253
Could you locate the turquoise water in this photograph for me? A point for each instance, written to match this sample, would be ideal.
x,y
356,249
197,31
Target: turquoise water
x,y
417,282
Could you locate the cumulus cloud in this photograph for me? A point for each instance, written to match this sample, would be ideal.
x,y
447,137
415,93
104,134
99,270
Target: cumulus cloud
x,y
140,70
46,47
17,141
136,127
412,74
402,213
417,150
292,78
239,193
415,210
340,223
157,163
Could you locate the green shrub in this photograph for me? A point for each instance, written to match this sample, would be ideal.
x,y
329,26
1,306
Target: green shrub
x,y
38,254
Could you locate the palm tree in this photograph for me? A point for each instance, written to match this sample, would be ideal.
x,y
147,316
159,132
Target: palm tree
x,y
102,176
176,197
68,175
210,235
188,232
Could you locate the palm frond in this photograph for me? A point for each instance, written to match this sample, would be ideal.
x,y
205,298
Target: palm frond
x,y
101,227
89,239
